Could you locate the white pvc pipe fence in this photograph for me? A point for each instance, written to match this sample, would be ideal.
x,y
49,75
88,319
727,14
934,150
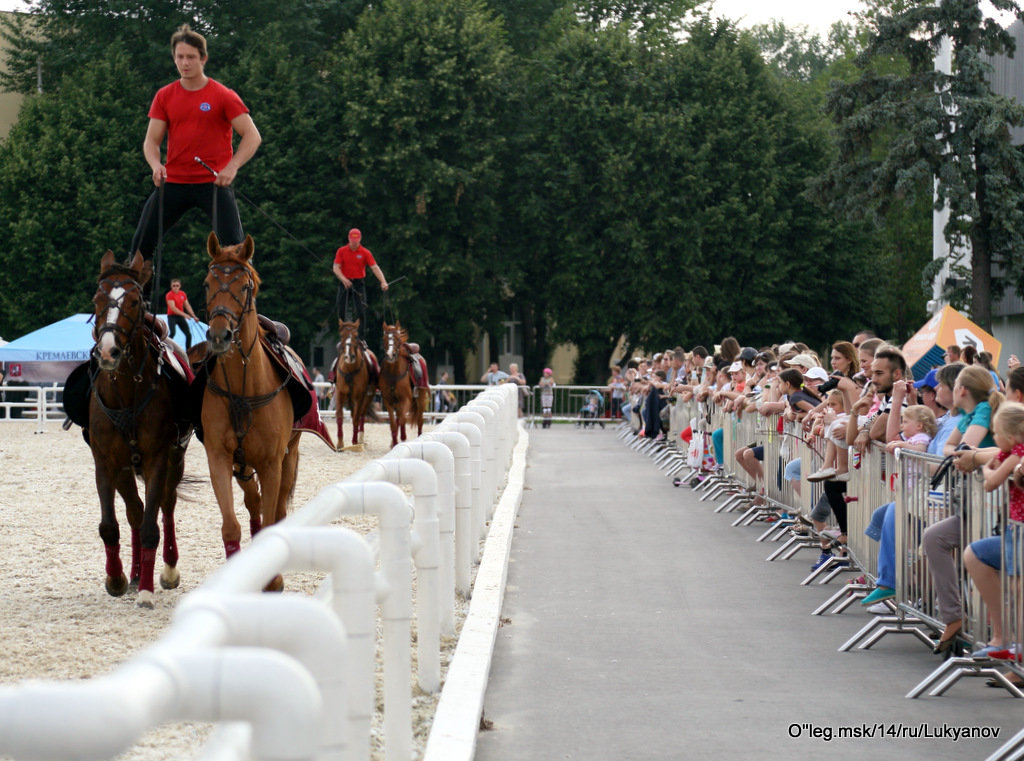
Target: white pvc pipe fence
x,y
289,678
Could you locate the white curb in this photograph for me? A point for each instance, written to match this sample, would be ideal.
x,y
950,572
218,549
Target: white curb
x,y
457,719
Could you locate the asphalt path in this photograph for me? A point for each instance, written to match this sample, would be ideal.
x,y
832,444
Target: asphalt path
x,y
638,624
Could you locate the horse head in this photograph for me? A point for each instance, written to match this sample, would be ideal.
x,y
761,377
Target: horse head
x,y
119,308
394,337
231,287
348,345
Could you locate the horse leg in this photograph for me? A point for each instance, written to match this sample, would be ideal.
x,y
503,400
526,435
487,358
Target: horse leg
x,y
289,475
116,583
156,483
169,576
251,495
393,420
129,492
403,415
339,414
272,480
220,479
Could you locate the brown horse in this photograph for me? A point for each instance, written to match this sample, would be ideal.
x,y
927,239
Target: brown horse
x,y
402,399
355,381
133,429
247,414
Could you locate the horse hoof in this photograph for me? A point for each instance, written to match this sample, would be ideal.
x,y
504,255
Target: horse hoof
x,y
117,587
354,448
145,599
276,584
169,577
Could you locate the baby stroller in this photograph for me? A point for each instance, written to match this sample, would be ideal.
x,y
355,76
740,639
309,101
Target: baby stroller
x,y
592,409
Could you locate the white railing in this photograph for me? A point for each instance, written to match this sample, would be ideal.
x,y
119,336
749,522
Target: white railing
x,y
31,404
287,677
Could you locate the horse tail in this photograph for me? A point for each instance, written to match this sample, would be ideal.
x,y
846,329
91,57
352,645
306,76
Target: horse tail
x,y
189,488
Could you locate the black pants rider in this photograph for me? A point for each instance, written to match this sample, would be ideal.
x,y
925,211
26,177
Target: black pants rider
x,y
353,305
179,198
175,321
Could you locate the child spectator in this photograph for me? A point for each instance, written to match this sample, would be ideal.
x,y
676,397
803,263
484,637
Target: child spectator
x,y
984,558
547,396
917,429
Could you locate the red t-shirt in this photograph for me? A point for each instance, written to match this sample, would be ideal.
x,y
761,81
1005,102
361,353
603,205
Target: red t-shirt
x,y
354,263
198,124
179,298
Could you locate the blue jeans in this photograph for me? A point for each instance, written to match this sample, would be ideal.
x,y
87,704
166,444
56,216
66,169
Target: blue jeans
x,y
883,530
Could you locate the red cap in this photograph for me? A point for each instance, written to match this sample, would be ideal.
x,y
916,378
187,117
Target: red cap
x,y
354,234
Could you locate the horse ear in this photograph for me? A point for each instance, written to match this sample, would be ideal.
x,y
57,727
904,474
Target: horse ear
x,y
107,261
212,245
248,246
341,323
135,265
147,270
357,322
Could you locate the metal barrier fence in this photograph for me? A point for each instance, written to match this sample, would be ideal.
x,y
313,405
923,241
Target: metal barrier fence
x,y
880,479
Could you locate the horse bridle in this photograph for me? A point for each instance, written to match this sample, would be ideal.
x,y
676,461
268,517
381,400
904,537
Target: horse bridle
x,y
107,285
124,418
220,272
393,340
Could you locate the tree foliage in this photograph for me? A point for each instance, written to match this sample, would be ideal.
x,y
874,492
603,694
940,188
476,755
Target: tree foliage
x,y
576,166
901,123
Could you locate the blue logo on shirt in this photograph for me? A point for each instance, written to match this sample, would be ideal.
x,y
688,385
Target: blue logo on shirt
x,y
204,106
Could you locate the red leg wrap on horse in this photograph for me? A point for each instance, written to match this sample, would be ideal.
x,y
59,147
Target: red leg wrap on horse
x,y
136,554
114,567
148,563
170,542
230,548
255,524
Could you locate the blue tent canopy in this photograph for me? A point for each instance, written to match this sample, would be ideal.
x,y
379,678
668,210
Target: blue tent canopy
x,y
69,340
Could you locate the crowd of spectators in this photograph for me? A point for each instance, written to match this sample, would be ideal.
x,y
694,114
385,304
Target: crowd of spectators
x,y
963,409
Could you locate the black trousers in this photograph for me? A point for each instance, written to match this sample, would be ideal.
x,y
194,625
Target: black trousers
x,y
179,198
353,304
175,321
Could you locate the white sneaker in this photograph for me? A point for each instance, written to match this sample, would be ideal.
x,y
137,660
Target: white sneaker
x,y
822,475
880,609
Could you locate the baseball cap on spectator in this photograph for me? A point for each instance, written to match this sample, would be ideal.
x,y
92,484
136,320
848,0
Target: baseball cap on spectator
x,y
735,367
805,361
816,373
931,380
748,354
547,371
709,362
783,348
354,234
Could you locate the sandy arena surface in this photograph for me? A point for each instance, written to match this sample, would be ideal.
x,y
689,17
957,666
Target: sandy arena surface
x,y
56,619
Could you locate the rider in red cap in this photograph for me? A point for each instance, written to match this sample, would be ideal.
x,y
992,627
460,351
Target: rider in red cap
x,y
350,263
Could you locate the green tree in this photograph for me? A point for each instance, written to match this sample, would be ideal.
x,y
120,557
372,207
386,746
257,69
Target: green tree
x,y
55,37
421,87
901,123
665,195
63,191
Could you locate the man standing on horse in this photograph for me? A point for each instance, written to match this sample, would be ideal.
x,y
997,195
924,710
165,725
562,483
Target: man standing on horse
x,y
197,116
350,263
